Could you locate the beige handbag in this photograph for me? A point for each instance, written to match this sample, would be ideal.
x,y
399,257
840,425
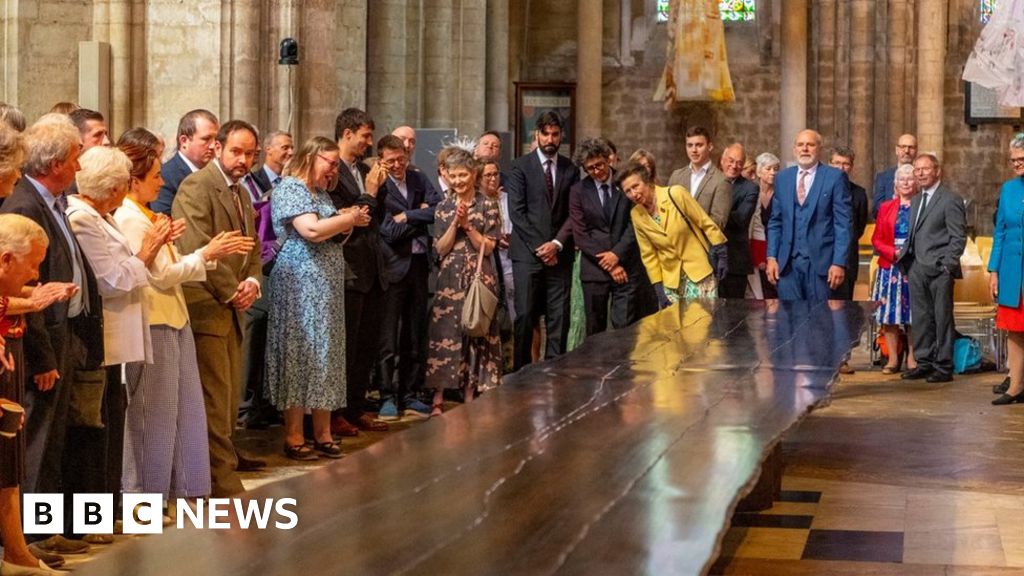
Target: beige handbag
x,y
480,305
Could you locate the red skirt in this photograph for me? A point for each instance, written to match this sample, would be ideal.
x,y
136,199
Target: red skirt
x,y
1011,319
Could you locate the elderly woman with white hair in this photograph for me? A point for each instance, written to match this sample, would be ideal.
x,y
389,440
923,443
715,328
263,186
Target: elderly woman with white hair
x,y
758,287
121,276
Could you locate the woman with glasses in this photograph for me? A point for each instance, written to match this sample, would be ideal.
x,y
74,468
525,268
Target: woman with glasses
x,y
767,166
1004,265
306,336
892,288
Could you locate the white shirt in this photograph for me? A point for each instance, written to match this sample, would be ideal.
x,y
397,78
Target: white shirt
x,y
272,177
926,198
188,162
697,176
354,170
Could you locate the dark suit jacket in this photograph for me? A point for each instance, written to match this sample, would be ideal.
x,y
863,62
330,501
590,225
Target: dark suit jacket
x,y
829,226
364,252
205,202
174,171
594,234
884,189
398,237
714,193
938,239
859,213
260,176
535,220
737,228
42,346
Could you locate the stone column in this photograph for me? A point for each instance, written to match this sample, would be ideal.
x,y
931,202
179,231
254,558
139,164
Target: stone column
x,y
469,25
497,65
793,93
825,87
386,58
896,85
931,58
318,87
588,69
286,78
245,69
439,82
122,84
862,88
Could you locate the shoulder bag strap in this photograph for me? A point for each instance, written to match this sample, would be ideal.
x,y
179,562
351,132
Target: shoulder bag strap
x,y
702,238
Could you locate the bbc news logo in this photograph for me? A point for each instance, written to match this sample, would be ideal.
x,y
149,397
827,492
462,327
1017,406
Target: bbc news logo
x,y
143,513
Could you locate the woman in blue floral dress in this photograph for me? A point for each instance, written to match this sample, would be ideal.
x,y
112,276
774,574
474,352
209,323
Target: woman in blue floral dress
x,y
306,339
892,291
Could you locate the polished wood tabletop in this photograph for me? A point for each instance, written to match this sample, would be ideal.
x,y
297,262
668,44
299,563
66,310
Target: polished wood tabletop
x,y
625,456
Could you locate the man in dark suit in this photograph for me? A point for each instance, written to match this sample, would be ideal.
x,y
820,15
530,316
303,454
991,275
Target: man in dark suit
x,y
906,151
409,200
809,230
601,228
278,148
65,336
842,157
931,259
705,183
197,137
364,257
211,201
541,247
737,228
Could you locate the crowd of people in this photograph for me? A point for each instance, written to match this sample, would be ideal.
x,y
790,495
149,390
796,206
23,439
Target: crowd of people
x,y
141,301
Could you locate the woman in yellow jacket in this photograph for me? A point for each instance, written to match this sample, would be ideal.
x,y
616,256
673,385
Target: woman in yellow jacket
x,y
681,248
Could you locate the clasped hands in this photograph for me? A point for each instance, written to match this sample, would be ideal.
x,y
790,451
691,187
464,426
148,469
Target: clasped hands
x,y
245,295
609,262
360,215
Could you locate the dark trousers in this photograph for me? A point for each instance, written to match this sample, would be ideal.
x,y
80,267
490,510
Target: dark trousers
x,y
931,307
46,417
93,456
733,286
800,282
541,291
403,349
254,356
845,290
596,296
362,341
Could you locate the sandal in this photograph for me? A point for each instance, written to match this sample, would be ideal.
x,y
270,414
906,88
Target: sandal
x,y
328,449
436,410
300,452
890,369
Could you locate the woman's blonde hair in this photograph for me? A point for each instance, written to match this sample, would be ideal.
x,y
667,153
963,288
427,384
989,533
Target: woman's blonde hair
x,y
12,150
301,164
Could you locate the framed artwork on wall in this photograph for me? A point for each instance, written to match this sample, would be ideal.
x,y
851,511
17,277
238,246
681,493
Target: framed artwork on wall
x,y
981,106
536,98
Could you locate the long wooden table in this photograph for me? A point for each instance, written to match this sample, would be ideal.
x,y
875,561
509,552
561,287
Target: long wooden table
x,y
625,456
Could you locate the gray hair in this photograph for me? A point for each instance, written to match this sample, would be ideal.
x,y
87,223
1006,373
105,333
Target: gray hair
x,y
18,233
12,150
933,156
51,139
459,157
766,159
844,151
903,170
104,172
12,116
269,138
591,148
1017,142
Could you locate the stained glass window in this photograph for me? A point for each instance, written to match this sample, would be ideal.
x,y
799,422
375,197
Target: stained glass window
x,y
731,10
987,6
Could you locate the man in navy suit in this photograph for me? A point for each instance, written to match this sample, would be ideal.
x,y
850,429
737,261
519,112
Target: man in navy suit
x,y
541,246
409,201
737,227
842,157
603,231
197,136
906,151
809,230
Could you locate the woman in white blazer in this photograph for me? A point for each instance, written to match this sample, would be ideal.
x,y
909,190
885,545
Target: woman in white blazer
x,y
96,452
166,448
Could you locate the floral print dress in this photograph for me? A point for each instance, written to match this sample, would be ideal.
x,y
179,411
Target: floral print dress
x,y
455,360
892,290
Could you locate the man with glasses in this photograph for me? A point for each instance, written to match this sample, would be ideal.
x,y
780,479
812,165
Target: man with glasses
x,y
603,231
737,229
409,201
906,151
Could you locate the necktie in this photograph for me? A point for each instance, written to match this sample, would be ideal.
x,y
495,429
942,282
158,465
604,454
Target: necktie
x,y
801,189
920,213
235,197
549,180
277,180
606,203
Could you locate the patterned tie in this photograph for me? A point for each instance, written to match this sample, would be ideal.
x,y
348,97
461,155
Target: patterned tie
x,y
606,203
236,197
801,189
549,180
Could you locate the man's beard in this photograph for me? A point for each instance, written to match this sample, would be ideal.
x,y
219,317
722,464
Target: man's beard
x,y
549,149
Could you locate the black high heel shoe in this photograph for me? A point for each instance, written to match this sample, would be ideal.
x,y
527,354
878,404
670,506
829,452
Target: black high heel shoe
x,y
1002,387
1008,399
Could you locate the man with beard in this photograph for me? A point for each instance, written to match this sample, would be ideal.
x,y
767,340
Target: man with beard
x,y
541,246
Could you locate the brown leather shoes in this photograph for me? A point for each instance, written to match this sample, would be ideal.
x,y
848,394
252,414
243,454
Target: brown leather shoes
x,y
342,427
366,422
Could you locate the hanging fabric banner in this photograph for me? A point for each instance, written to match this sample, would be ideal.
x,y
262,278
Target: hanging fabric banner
x,y
997,60
696,66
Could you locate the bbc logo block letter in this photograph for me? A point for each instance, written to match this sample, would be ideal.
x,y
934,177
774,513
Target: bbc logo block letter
x,y
43,514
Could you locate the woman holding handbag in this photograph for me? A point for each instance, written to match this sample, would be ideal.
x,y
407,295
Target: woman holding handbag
x,y
464,347
681,248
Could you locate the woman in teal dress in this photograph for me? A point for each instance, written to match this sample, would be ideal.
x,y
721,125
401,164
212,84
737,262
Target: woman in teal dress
x,y
306,339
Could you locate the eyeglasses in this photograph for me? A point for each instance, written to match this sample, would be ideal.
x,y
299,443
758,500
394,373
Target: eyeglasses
x,y
331,163
596,166
1017,161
